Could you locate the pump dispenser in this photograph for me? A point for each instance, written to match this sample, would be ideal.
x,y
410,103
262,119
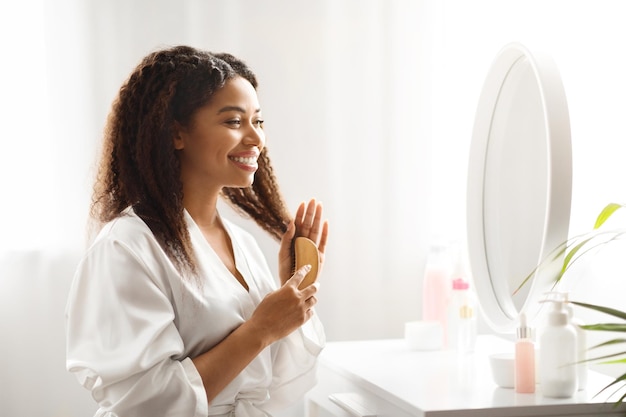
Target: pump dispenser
x,y
557,354
524,358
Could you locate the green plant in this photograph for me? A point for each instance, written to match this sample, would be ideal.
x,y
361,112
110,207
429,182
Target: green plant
x,y
574,248
571,251
613,358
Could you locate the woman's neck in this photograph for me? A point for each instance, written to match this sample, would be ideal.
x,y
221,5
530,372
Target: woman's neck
x,y
202,209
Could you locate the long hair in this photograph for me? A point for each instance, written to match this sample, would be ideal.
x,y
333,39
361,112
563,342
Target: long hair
x,y
139,167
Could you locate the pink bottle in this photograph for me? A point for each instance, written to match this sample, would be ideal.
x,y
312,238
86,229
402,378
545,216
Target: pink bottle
x,y
524,359
436,286
461,317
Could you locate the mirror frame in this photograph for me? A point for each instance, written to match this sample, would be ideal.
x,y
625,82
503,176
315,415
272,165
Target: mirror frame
x,y
497,308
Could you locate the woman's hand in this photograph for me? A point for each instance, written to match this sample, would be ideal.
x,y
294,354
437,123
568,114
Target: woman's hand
x,y
284,310
307,223
279,314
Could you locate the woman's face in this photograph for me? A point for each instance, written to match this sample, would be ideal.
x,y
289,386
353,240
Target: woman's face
x,y
221,145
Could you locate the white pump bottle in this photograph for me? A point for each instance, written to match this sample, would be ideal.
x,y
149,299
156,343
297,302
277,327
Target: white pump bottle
x,y
582,368
558,354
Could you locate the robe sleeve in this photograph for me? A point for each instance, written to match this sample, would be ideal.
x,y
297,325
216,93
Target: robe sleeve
x,y
294,364
122,344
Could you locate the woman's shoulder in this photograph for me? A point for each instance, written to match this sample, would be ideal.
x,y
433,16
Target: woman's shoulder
x,y
127,241
127,227
127,232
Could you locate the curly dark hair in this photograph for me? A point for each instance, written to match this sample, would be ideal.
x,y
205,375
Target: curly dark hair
x,y
139,166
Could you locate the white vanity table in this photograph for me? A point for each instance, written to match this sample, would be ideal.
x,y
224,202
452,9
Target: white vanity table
x,y
383,378
518,211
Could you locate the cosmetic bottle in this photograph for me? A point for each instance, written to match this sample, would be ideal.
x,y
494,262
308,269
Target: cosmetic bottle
x,y
466,332
581,344
461,317
557,354
524,358
436,284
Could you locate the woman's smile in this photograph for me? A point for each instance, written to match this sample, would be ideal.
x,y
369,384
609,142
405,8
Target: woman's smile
x,y
246,160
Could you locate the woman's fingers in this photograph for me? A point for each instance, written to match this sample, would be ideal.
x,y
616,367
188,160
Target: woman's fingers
x,y
285,263
284,250
287,308
297,278
304,218
300,212
321,245
309,220
316,228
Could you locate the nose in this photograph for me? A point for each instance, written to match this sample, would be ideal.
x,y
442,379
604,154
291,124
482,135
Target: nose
x,y
255,136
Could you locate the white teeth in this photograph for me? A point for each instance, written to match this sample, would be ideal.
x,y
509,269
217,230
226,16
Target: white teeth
x,y
248,161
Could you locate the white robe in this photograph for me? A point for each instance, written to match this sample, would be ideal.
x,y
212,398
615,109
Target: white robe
x,y
133,324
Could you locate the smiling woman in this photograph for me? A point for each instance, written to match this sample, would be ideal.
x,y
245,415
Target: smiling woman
x,y
173,310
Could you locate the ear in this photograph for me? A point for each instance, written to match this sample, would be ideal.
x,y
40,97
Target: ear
x,y
179,136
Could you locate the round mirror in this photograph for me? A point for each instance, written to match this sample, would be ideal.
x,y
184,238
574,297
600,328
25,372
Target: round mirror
x,y
519,184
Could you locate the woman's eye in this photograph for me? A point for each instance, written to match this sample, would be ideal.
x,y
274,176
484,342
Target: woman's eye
x,y
234,122
259,123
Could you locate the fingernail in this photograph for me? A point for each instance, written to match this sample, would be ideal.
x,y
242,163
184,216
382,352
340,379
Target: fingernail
x,y
306,268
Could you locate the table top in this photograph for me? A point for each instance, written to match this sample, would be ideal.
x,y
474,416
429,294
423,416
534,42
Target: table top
x,y
428,382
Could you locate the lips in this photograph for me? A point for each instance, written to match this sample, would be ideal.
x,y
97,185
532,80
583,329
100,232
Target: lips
x,y
246,160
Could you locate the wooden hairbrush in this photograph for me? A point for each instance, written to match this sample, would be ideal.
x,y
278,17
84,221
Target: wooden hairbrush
x,y
307,254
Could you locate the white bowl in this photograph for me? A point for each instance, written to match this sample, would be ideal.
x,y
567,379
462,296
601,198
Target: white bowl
x,y
503,369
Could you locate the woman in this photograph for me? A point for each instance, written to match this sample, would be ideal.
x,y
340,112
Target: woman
x,y
173,310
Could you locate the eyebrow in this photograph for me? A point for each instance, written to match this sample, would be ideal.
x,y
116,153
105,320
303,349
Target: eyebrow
x,y
235,108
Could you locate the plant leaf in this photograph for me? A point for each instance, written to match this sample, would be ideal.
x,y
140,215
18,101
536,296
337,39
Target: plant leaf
x,y
613,236
612,355
581,240
602,309
618,379
608,343
614,362
570,255
554,255
606,213
605,327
